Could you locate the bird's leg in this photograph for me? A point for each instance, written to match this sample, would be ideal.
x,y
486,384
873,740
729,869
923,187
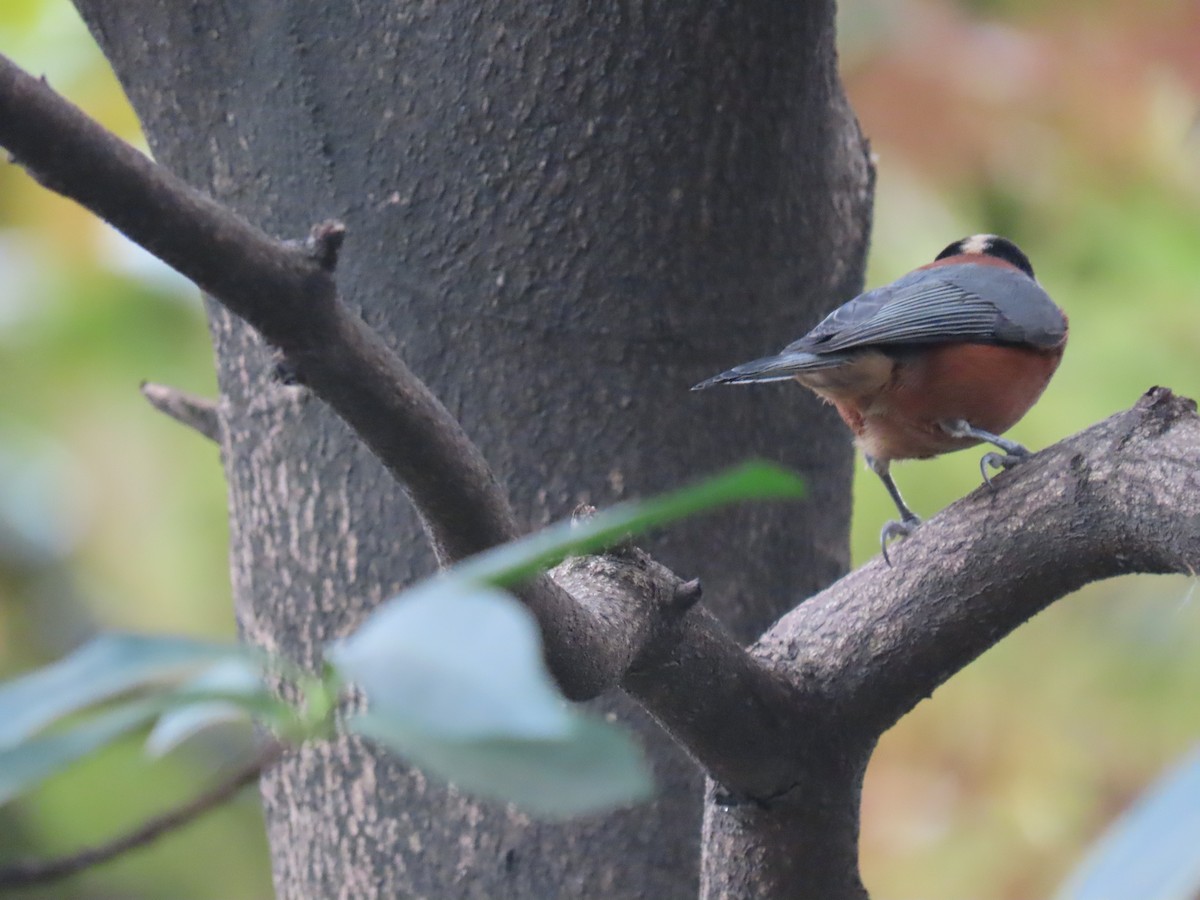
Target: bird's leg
x,y
909,520
1013,452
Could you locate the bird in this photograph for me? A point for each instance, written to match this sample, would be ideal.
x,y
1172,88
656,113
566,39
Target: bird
x,y
949,356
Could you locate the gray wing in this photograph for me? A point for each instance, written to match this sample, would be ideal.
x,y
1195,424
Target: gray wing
x,y
781,367
985,304
950,303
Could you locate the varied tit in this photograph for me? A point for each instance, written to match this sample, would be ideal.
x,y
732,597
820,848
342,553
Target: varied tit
x,y
950,355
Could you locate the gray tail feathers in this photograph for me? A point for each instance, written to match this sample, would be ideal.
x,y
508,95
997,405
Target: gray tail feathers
x,y
782,367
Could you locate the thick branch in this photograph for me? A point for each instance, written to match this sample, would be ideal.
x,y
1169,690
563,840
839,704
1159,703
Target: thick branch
x,y
1121,497
738,718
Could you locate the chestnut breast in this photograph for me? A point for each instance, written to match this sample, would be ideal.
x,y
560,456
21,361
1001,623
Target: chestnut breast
x,y
991,386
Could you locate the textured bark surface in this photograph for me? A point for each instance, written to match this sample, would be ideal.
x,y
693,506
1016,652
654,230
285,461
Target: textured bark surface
x,y
562,215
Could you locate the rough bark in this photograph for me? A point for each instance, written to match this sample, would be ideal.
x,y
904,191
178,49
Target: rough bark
x,y
1121,497
562,216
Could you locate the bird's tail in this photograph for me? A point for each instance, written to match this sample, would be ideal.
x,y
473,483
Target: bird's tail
x,y
781,367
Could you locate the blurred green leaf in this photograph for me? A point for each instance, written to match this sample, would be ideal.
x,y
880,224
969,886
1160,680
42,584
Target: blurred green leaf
x,y
454,663
456,684
103,668
187,710
1151,851
454,674
233,677
22,767
179,725
516,561
592,768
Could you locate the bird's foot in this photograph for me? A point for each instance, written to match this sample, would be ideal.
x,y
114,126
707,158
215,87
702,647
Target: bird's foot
x,y
1013,452
998,461
896,530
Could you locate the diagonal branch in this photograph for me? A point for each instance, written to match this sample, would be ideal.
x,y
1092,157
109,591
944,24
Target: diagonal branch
x,y
1120,497
287,292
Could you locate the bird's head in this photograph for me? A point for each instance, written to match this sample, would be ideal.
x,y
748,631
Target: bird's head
x,y
990,245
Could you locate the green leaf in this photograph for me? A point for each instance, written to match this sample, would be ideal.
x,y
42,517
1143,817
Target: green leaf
x,y
22,767
1149,852
179,725
517,561
233,677
101,669
454,662
594,767
456,683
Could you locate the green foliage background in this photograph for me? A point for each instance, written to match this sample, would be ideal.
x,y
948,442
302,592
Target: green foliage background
x,y
1071,128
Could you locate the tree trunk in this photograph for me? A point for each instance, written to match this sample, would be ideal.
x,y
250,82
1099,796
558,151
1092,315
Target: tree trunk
x,y
562,215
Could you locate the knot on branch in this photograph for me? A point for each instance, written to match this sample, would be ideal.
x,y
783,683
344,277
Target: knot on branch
x,y
626,583
687,595
1156,412
325,243
1162,407
634,600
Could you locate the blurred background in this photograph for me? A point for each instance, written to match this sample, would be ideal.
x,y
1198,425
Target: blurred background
x,y
1070,127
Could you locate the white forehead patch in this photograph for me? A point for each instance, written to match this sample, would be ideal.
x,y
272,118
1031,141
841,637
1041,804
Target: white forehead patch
x,y
977,243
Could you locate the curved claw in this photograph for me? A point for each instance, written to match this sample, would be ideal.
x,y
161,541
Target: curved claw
x,y
999,461
898,530
991,460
